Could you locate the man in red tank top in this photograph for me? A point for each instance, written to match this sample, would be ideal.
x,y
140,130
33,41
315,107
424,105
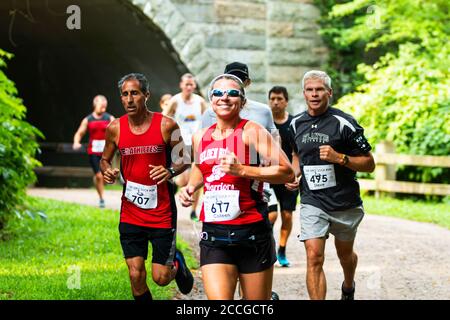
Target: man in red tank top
x,y
148,211
95,124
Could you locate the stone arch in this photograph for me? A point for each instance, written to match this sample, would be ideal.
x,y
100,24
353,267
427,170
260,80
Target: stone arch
x,y
278,40
187,41
58,71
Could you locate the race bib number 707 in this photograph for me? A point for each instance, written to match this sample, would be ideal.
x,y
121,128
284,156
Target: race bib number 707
x,y
141,195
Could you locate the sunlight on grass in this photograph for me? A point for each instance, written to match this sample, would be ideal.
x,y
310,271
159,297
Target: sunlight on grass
x,y
46,257
422,211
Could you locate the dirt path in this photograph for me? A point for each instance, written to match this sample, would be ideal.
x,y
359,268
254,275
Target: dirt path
x,y
398,259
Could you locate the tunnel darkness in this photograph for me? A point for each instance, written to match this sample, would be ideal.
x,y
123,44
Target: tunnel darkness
x,y
58,71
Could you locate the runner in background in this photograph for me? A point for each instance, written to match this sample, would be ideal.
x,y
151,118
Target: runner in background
x,y
187,108
278,102
95,125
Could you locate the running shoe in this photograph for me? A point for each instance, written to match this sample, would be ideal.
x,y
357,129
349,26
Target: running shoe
x,y
101,203
282,260
184,278
346,295
194,216
275,296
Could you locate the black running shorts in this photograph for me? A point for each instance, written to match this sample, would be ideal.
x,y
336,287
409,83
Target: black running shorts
x,y
286,198
134,240
249,257
94,160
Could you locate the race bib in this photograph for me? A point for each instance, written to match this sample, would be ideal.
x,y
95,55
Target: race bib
x,y
142,196
320,177
222,205
98,145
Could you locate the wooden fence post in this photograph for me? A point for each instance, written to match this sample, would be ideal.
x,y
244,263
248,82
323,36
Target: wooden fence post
x,y
384,172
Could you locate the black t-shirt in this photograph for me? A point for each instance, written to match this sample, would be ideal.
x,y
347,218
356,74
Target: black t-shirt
x,y
326,185
286,139
285,135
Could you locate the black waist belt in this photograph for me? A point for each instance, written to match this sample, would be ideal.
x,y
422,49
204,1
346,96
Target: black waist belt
x,y
222,236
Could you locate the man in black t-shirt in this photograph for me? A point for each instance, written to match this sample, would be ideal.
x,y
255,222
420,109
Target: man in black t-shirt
x,y
330,147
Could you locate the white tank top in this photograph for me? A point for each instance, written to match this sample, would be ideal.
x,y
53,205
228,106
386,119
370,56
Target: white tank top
x,y
188,116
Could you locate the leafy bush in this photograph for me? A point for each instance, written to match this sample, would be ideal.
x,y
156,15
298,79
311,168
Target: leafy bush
x,y
17,146
343,59
405,96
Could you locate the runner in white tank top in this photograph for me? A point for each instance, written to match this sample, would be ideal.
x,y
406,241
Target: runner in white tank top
x,y
187,109
188,115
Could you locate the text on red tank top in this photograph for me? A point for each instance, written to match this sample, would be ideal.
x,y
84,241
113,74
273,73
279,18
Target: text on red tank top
x,y
234,203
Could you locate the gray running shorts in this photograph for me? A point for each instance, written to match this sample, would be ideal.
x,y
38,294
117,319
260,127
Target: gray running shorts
x,y
316,223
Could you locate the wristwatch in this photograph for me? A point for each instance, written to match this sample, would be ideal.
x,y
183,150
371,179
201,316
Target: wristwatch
x,y
172,172
344,159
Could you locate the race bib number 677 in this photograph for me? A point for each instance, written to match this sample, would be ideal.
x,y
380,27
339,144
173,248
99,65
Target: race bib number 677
x,y
320,177
221,205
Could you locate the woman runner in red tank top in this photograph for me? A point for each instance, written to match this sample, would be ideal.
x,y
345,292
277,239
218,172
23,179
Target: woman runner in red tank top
x,y
236,240
217,183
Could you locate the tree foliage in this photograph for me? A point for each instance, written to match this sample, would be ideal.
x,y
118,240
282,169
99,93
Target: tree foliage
x,y
405,95
17,146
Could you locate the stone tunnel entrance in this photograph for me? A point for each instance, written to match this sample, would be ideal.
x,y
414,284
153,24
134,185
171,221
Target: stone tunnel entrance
x,y
58,71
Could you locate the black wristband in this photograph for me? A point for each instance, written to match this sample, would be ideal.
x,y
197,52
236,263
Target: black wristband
x,y
172,172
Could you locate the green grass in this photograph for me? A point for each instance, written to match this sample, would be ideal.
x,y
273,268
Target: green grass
x,y
41,259
422,211
115,186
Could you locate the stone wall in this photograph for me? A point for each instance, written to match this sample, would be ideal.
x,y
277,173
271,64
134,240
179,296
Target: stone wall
x,y
278,39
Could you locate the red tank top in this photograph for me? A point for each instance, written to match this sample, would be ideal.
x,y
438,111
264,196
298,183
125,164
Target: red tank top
x,y
97,129
143,202
226,188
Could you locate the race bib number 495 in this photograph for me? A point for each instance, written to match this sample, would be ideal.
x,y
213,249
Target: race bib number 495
x,y
221,205
141,195
320,177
